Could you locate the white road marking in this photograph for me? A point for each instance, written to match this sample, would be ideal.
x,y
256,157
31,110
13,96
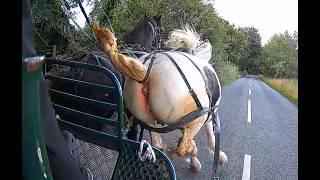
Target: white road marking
x,y
249,111
249,103
246,167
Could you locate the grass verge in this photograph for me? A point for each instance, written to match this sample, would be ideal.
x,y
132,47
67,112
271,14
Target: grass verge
x,y
287,87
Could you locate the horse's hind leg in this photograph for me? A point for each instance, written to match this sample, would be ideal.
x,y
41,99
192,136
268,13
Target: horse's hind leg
x,y
187,146
193,160
211,140
156,139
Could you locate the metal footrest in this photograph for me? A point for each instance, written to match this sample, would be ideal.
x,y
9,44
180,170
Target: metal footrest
x,y
129,166
99,160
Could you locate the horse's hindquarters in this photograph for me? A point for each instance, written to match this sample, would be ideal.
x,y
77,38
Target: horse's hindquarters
x,y
136,101
168,97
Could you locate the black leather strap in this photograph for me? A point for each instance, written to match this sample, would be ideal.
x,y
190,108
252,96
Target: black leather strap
x,y
193,94
179,123
146,77
189,117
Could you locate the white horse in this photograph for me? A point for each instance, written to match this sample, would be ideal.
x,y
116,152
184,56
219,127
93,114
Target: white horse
x,y
164,97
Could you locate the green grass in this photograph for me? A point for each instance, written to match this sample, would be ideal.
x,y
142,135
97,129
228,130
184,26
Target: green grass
x,y
287,87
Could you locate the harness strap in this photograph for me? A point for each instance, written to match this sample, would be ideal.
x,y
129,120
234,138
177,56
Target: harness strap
x,y
146,77
148,57
155,33
153,29
179,124
207,89
189,117
191,91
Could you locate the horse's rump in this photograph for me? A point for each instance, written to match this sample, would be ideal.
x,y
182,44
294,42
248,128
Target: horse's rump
x,y
168,96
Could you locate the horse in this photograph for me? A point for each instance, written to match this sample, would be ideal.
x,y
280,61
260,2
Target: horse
x,y
147,38
144,35
168,87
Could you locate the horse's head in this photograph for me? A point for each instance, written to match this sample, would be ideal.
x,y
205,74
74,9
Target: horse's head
x,y
157,41
157,19
146,33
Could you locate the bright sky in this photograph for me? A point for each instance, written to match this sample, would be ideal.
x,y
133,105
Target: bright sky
x,y
268,16
80,19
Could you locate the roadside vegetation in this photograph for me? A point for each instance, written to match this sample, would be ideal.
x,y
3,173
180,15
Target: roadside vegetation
x,y
236,50
287,87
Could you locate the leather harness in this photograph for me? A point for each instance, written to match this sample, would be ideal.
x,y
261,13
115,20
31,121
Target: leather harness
x,y
192,115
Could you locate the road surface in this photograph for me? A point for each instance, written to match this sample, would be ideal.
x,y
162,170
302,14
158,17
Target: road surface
x,y
259,133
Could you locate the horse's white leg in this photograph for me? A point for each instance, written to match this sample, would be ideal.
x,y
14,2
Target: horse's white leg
x,y
187,145
193,160
211,140
156,139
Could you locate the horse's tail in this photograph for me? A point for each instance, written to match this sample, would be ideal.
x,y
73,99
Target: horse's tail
x,y
189,40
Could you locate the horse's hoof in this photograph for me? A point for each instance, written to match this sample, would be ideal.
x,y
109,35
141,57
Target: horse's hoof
x,y
195,165
223,158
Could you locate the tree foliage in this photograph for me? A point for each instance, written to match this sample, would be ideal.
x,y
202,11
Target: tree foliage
x,y
280,56
52,28
234,48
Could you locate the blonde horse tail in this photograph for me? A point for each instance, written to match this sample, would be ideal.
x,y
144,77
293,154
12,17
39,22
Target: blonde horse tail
x,y
106,42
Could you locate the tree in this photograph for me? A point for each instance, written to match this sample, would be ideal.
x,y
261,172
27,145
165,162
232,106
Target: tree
x,y
251,64
51,28
280,56
238,45
229,43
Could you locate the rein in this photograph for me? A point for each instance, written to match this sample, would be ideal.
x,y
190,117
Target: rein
x,y
155,33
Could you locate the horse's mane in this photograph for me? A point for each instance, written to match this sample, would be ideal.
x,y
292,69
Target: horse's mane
x,y
190,41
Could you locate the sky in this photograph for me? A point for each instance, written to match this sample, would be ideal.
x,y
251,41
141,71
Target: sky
x,y
268,16
80,19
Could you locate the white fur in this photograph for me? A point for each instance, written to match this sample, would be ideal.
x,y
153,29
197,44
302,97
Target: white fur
x,y
171,87
185,38
189,40
166,86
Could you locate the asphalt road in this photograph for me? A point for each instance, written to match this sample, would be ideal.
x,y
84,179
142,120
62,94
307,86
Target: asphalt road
x,y
270,138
